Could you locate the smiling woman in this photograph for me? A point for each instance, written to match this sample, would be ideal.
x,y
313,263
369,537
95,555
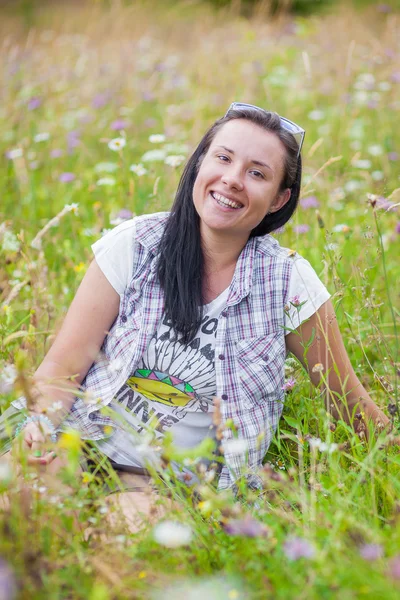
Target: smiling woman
x,y
180,307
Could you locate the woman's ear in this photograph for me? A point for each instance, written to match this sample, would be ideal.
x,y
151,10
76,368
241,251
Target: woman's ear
x,y
281,200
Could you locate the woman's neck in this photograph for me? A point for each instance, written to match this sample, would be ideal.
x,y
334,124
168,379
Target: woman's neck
x,y
221,252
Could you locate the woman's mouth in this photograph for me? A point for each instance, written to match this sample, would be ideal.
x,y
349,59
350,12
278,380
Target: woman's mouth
x,y
226,202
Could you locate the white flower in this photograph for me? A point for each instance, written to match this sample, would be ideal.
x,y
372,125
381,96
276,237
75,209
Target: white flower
x,y
355,145
174,160
154,155
353,185
385,86
5,471
74,207
138,169
377,175
316,115
322,446
341,228
375,149
16,153
10,242
235,446
105,167
106,181
117,144
172,534
58,405
41,137
157,138
362,164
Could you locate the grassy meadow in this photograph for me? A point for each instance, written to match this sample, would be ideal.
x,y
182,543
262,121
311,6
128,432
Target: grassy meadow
x,y
100,107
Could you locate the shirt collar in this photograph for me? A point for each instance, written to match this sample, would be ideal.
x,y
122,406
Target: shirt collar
x,y
242,278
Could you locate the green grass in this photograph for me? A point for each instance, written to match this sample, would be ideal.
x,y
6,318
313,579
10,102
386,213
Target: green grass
x,y
173,71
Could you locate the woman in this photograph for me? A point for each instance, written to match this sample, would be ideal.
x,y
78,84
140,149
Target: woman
x,y
195,304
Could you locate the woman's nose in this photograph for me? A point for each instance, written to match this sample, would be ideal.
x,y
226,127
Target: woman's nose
x,y
233,179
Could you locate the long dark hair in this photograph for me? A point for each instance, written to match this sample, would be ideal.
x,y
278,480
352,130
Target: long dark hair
x,y
181,262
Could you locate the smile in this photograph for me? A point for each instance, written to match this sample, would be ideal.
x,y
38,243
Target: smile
x,y
222,201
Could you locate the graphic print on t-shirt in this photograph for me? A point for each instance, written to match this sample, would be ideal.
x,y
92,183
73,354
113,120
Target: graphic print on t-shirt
x,y
173,380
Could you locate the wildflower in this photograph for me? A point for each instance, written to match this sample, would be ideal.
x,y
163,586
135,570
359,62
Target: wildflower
x,y
79,267
10,242
41,137
15,153
309,202
154,155
108,181
247,527
318,368
5,472
398,227
394,567
393,156
322,446
73,139
117,144
295,301
70,440
304,228
362,164
375,150
74,207
316,115
8,584
289,384
353,185
119,124
395,77
296,547
172,534
34,103
105,167
139,169
377,175
174,160
371,551
157,138
235,446
291,253
66,177
58,405
342,228
56,153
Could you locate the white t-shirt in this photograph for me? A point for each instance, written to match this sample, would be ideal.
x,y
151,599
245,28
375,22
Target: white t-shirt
x,y
173,386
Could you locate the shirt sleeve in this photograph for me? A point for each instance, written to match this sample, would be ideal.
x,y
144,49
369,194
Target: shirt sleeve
x,y
114,255
306,295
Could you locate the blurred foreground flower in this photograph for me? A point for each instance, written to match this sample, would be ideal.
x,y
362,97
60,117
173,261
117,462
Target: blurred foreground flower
x,y
8,376
394,567
309,202
15,153
172,534
66,177
247,527
296,547
117,144
8,586
139,169
371,551
322,446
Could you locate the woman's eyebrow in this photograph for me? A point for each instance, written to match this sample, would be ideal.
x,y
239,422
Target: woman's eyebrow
x,y
255,162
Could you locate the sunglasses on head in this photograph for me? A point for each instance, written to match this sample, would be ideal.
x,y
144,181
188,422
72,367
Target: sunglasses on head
x,y
297,132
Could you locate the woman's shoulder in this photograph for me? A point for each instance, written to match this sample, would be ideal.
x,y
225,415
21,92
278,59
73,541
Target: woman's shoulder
x,y
268,245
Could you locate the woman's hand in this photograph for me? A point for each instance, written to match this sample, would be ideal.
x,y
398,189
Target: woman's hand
x,y
36,442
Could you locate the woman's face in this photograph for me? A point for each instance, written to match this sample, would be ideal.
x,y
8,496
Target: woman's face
x,y
238,181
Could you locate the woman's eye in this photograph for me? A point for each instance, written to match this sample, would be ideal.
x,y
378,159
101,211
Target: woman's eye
x,y
223,157
258,174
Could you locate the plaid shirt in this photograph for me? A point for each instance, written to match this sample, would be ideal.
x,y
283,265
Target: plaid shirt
x,y
249,348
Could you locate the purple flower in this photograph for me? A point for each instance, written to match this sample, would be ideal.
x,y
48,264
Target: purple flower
x,y
56,153
8,586
73,139
384,204
301,228
296,547
398,227
394,567
119,124
372,104
371,551
125,214
384,8
395,77
34,102
289,384
393,156
66,177
100,100
247,527
295,301
280,229
148,96
309,202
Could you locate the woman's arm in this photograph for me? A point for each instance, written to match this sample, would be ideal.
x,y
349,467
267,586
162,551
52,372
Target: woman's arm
x,y
89,318
327,349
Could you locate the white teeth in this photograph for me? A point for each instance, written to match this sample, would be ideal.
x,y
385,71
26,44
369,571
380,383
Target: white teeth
x,y
225,201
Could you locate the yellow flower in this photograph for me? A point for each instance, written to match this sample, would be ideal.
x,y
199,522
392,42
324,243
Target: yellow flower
x,y
233,594
80,267
142,574
291,252
70,440
108,429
